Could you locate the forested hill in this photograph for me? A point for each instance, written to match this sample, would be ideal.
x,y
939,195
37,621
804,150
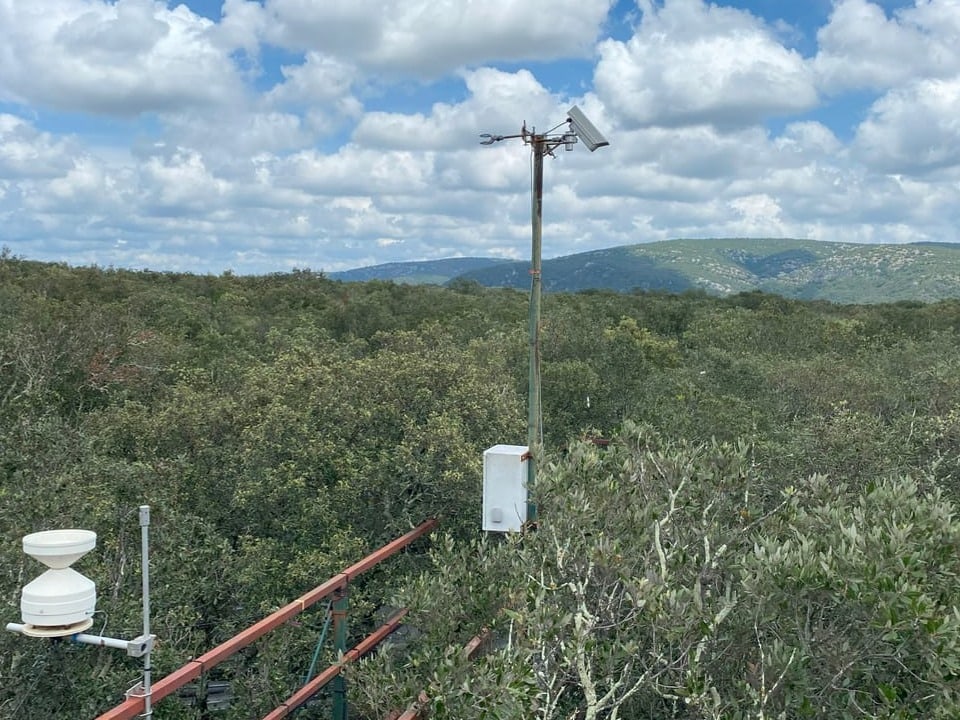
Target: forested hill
x,y
802,269
435,272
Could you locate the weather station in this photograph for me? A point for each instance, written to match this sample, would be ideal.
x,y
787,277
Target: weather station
x,y
510,471
60,603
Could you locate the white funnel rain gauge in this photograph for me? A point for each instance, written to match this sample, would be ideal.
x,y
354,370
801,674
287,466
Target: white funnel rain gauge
x,y
61,602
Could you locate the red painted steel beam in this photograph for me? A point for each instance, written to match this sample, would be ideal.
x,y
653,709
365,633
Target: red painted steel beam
x,y
473,648
133,706
315,685
413,712
470,652
390,548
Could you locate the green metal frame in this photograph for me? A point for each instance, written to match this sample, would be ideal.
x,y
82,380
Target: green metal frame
x,y
341,605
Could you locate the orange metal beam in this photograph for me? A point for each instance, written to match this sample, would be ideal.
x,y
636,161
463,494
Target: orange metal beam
x,y
473,648
390,548
133,706
470,651
358,651
413,712
245,637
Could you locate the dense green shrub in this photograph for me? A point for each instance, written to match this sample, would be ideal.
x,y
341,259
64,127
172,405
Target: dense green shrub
x,y
659,585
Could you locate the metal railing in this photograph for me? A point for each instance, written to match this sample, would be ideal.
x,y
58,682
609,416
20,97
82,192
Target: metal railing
x,y
336,587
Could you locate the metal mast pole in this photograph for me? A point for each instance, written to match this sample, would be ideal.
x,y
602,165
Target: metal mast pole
x,y
580,128
145,573
534,440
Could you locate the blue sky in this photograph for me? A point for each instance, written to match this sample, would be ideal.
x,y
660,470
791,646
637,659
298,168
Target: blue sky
x,y
262,136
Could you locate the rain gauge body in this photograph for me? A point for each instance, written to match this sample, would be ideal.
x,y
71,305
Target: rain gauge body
x,y
61,601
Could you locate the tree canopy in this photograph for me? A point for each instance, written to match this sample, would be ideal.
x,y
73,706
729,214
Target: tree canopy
x,y
767,528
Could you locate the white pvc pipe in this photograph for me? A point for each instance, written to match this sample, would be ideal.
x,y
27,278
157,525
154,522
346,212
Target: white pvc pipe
x,y
101,641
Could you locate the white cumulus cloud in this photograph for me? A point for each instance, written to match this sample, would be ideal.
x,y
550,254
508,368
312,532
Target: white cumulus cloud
x,y
863,47
123,58
690,62
297,133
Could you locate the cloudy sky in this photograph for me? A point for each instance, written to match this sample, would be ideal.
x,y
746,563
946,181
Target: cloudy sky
x,y
262,136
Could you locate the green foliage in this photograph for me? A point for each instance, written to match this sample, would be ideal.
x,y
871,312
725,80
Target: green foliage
x,y
663,582
854,599
750,545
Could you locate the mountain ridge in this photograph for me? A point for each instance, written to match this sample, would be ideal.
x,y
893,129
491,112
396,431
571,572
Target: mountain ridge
x,y
796,268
